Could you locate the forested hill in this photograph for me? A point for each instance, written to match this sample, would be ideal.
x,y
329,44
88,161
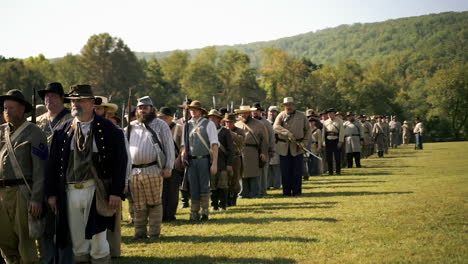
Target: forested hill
x,y
437,36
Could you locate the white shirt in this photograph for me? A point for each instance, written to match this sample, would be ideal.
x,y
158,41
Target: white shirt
x,y
210,130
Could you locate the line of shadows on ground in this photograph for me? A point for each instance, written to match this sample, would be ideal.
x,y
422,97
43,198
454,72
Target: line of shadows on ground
x,y
219,239
202,259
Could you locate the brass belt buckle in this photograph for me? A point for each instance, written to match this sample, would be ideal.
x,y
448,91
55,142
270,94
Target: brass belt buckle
x,y
78,186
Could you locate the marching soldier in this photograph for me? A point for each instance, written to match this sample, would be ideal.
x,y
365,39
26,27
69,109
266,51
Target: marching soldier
x,y
53,97
152,153
379,135
293,131
86,178
171,185
333,137
315,146
200,149
386,129
254,153
274,170
219,181
257,111
23,153
238,138
354,137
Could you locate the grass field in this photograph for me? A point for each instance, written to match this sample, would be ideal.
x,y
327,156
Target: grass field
x,y
409,207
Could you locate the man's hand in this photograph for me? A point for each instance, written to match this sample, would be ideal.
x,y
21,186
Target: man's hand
x,y
114,201
35,208
229,168
339,145
263,157
166,173
126,189
53,203
214,169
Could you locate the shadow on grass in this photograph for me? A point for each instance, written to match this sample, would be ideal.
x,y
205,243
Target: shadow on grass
x,y
263,209
334,194
219,239
215,220
376,173
201,259
326,182
340,186
288,204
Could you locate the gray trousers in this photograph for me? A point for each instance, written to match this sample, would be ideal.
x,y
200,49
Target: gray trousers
x,y
274,176
250,187
199,177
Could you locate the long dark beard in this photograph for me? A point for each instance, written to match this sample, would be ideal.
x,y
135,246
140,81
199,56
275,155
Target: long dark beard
x,y
245,120
146,118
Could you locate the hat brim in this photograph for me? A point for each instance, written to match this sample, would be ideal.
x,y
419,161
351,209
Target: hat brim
x,y
198,108
238,111
27,105
42,94
285,103
97,100
256,109
218,116
112,107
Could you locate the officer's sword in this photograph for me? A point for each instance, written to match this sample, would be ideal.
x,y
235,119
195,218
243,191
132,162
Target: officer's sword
x,y
304,149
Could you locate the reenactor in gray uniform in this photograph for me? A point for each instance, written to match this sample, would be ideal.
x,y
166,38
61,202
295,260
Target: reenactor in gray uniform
x,y
380,136
274,170
23,154
238,138
257,114
255,152
367,133
354,137
406,132
333,138
395,132
386,129
418,133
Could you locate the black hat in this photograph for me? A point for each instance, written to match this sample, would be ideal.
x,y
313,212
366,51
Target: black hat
x,y
165,111
82,91
54,87
223,110
257,106
330,110
17,95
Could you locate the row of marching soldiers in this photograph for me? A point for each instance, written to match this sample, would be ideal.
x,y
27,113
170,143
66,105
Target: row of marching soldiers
x,y
62,180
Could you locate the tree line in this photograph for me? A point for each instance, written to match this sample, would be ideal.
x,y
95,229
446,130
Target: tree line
x,y
398,85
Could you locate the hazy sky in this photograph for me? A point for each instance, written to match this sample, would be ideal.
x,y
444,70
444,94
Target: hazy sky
x,y
57,27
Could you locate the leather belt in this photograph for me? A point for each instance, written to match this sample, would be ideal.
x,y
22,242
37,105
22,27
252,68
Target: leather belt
x,y
200,157
354,135
80,185
332,134
12,182
140,166
251,145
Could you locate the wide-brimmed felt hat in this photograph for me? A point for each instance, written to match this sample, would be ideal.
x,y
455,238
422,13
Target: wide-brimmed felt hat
x,y
331,110
288,100
256,107
405,122
184,103
230,117
339,113
17,95
53,87
195,104
243,109
214,112
82,91
165,111
310,112
105,103
349,114
362,116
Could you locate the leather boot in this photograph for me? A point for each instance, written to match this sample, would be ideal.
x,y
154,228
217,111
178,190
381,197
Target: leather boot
x,y
185,199
350,159
195,210
103,260
141,221
234,199
215,199
205,204
229,199
223,198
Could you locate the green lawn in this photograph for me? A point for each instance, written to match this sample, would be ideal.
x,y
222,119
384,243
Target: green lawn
x,y
409,207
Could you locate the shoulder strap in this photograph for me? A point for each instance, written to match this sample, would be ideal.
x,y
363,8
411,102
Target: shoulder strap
x,y
155,137
202,140
14,161
253,134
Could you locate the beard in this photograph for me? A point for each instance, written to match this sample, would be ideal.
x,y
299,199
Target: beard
x,y
146,118
245,119
77,111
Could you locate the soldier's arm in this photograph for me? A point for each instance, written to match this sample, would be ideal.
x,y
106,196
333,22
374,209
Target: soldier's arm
x,y
342,132
39,156
307,131
278,128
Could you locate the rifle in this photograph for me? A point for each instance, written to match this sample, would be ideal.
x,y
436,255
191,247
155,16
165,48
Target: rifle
x,y
186,160
214,102
33,113
129,107
304,148
232,107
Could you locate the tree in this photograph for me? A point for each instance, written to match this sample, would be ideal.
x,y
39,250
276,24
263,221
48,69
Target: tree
x,y
110,66
69,70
